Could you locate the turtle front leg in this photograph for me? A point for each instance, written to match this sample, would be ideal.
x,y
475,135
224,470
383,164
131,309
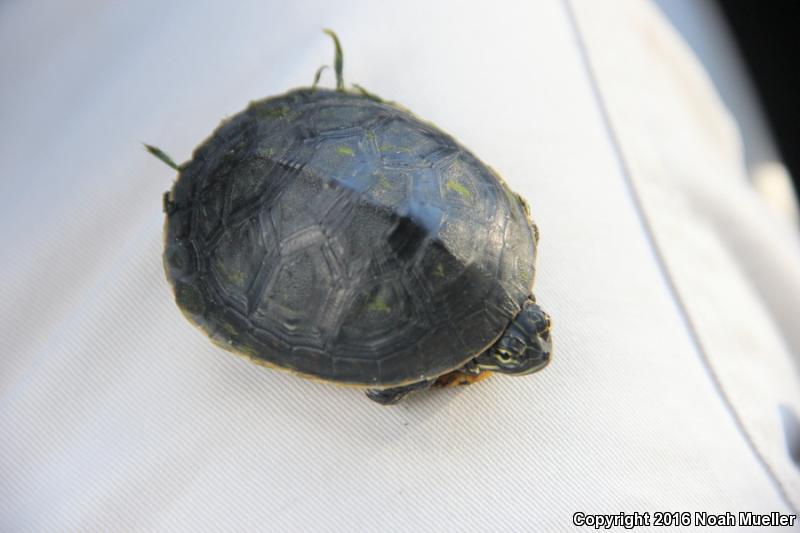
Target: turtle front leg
x,y
395,394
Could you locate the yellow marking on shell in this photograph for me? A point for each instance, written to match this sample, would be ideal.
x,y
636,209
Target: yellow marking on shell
x,y
457,187
232,276
439,270
237,278
378,305
230,329
384,181
344,150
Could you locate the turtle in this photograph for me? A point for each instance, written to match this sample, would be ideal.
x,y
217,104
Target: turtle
x,y
334,234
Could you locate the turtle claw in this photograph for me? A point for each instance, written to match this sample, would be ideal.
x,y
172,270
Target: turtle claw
x,y
395,394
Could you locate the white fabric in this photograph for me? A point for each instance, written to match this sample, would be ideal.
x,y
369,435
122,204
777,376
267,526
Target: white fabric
x,y
672,288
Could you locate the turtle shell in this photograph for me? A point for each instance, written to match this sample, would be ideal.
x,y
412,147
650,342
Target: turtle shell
x,y
339,236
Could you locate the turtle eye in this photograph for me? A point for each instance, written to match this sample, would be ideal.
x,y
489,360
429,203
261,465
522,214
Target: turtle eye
x,y
504,356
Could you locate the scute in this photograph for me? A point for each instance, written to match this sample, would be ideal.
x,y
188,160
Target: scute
x,y
379,314
234,262
343,238
246,183
402,144
389,188
298,203
365,226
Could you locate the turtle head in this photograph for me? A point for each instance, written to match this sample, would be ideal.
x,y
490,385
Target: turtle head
x,y
524,347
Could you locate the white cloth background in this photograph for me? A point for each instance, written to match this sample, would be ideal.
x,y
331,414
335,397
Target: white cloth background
x,y
673,287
